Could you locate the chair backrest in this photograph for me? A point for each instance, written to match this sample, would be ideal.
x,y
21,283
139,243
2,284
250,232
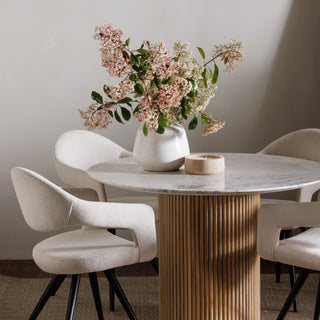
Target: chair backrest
x,y
44,205
82,149
304,144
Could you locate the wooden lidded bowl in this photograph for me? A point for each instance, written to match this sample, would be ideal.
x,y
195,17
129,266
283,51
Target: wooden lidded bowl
x,y
204,164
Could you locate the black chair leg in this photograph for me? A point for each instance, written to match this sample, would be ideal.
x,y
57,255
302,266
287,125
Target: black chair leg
x,y
293,293
120,294
57,285
292,273
278,264
155,264
111,289
111,295
317,307
96,294
74,288
46,294
278,271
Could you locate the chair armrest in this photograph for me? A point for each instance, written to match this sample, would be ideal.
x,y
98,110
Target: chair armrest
x,y
82,193
138,218
305,194
273,217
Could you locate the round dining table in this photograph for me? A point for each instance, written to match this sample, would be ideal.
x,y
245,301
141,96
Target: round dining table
x,y
209,267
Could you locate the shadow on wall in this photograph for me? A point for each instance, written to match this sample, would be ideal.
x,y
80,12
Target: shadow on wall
x,y
292,99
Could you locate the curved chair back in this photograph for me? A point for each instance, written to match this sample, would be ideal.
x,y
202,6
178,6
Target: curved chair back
x,y
82,149
44,206
304,144
77,150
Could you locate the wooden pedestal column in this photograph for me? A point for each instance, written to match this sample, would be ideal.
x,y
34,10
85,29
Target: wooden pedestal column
x,y
209,266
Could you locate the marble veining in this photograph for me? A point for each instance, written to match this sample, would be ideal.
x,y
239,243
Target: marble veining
x,y
244,173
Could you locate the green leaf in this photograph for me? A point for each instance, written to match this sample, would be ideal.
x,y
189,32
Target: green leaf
x,y
116,115
215,74
138,88
125,100
133,77
134,59
183,113
157,81
145,67
183,102
163,122
205,119
193,123
203,55
204,78
145,130
160,130
175,59
111,113
193,91
153,83
126,114
96,97
143,51
136,110
106,89
125,55
165,80
127,42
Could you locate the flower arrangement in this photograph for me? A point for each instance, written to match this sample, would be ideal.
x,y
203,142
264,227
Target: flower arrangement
x,y
156,88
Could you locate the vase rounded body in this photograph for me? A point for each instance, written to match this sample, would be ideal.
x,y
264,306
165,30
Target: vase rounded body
x,y
161,152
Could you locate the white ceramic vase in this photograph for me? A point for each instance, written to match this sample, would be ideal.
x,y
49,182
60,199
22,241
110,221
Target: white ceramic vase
x,y
161,152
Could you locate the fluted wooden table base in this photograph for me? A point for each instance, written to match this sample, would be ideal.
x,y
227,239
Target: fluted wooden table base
x,y
209,266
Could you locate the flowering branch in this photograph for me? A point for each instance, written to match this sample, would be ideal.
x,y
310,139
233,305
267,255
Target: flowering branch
x,y
164,89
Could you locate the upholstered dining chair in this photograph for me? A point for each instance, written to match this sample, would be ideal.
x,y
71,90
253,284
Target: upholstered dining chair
x,y
93,248
75,152
302,250
304,144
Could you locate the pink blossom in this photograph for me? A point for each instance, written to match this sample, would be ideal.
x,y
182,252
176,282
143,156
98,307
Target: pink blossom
x,y
161,60
112,50
169,96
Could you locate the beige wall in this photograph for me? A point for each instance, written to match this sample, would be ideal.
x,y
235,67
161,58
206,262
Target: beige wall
x,y
50,63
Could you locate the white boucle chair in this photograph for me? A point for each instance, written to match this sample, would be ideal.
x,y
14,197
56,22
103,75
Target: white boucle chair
x,y
304,144
93,248
302,250
75,152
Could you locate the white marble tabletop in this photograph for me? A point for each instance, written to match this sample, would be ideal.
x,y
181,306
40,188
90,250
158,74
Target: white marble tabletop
x,y
244,173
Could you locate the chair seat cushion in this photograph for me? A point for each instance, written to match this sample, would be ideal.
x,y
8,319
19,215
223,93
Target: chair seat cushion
x,y
84,251
302,250
150,201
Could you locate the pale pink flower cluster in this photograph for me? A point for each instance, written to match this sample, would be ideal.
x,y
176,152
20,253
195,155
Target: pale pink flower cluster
x,y
147,113
160,59
229,53
168,96
96,117
121,90
167,100
112,50
213,126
